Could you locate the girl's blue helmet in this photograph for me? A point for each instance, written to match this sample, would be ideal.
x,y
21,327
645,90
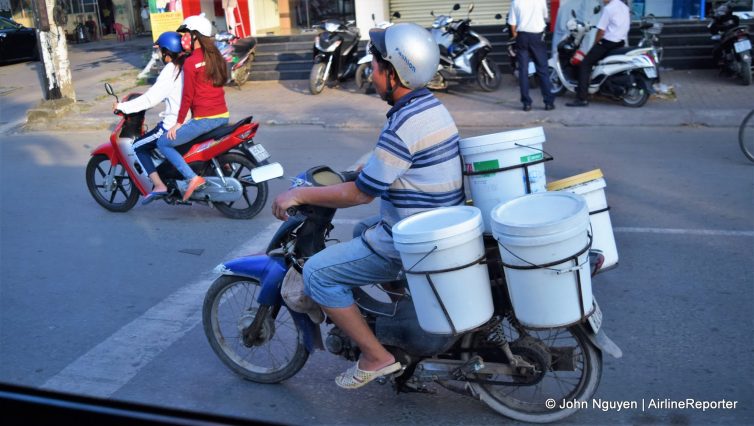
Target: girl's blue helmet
x,y
170,41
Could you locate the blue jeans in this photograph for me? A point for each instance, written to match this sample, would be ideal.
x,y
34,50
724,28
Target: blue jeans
x,y
330,275
185,134
532,46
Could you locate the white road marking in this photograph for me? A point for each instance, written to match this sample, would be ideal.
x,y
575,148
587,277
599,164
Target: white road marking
x,y
671,231
115,361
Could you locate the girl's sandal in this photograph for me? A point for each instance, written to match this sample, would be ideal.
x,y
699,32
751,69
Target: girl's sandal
x,y
355,377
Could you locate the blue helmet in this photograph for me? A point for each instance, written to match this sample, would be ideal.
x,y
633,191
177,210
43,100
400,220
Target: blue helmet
x,y
170,41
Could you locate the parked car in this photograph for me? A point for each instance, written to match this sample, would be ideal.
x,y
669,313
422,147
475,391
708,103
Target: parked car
x,y
17,43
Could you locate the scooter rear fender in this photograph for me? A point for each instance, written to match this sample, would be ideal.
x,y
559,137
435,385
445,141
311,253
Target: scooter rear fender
x,y
270,270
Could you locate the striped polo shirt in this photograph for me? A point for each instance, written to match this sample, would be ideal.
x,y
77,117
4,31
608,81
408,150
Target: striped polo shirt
x,y
415,166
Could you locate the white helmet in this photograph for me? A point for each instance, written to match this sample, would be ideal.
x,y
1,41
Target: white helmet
x,y
196,23
410,49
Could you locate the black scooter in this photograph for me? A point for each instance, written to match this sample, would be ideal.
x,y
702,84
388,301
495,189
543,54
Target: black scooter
x,y
732,53
335,51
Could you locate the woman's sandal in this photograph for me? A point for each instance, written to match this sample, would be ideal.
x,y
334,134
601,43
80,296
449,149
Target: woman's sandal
x,y
355,377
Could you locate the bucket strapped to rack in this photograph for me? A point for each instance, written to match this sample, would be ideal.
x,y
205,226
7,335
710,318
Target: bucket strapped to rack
x,y
525,166
549,266
427,274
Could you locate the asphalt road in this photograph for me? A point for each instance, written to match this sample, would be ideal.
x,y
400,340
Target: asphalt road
x,y
108,304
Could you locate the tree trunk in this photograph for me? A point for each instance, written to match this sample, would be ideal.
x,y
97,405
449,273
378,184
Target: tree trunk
x,y
54,67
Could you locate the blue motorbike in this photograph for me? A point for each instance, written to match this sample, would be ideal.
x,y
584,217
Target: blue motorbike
x,y
515,370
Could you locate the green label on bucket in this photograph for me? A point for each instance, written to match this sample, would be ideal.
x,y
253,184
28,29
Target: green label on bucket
x,y
483,166
533,157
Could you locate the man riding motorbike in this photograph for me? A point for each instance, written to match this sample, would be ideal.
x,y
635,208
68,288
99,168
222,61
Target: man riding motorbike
x,y
612,34
414,167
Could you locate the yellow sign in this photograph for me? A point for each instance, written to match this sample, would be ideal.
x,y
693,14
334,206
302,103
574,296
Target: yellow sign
x,y
165,21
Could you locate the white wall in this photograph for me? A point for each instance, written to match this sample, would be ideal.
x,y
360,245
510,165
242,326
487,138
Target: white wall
x,y
364,11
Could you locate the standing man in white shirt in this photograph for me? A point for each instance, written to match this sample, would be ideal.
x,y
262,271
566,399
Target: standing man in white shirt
x,y
612,33
528,20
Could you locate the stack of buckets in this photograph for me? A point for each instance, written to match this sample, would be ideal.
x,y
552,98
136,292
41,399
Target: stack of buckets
x,y
543,237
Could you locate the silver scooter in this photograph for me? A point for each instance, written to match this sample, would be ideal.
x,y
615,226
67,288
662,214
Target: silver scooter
x,y
627,74
464,54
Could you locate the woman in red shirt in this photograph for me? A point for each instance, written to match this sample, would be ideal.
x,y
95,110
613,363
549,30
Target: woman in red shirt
x,y
204,75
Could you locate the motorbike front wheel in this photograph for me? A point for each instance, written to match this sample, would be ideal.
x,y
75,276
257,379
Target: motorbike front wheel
x,y
231,306
569,368
364,76
558,88
486,82
111,186
317,78
254,195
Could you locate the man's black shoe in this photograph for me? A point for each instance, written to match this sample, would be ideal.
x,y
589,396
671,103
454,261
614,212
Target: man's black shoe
x,y
578,103
527,107
549,107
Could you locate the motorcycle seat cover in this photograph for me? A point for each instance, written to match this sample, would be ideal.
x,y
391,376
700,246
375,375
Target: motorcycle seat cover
x,y
219,132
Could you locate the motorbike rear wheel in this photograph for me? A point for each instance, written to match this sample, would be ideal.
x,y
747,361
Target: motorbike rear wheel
x,y
278,353
530,402
746,72
364,76
487,83
254,195
118,196
241,75
635,97
317,78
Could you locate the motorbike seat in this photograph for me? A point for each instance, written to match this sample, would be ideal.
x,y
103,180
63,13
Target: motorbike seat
x,y
244,45
620,51
218,132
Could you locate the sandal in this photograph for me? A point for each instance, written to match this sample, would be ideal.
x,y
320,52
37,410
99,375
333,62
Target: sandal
x,y
355,377
153,196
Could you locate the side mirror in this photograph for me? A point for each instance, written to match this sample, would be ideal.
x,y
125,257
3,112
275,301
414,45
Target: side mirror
x,y
373,18
397,15
268,172
498,16
456,6
573,13
110,91
597,9
471,7
432,12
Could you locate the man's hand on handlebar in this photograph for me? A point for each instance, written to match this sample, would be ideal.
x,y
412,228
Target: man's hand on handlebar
x,y
283,202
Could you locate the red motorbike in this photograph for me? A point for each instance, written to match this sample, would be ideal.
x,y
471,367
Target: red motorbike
x,y
236,169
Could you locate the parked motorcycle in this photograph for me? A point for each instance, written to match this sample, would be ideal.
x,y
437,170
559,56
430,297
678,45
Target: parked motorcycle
x,y
364,70
650,30
236,169
335,49
732,53
513,369
239,53
464,54
626,74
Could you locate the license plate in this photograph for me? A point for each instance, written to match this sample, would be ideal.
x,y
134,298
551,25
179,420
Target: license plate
x,y
742,46
650,72
595,320
259,153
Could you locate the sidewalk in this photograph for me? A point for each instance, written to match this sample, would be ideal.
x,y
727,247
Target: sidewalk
x,y
701,98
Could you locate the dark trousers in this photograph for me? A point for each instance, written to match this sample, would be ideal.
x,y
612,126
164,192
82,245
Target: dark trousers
x,y
597,52
531,46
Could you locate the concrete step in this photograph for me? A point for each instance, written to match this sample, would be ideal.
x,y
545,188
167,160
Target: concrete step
x,y
297,46
279,75
284,56
304,65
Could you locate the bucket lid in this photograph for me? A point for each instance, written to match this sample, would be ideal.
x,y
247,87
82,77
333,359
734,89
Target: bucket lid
x,y
436,224
543,213
529,136
574,180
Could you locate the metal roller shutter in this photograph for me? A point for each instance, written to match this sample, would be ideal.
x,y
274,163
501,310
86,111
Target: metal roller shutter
x,y
418,11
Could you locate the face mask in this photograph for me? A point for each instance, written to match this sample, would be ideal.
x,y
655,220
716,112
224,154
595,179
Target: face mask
x,y
186,41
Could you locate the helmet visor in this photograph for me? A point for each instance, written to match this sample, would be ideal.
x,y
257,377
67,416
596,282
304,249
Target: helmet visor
x,y
377,41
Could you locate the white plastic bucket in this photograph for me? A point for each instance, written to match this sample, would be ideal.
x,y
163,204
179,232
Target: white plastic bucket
x,y
591,185
497,151
448,238
548,234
